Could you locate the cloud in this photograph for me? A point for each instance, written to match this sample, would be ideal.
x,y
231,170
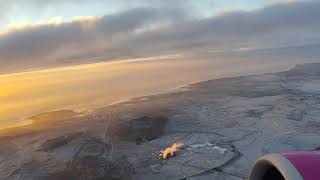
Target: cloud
x,y
272,26
284,1
44,43
9,8
151,31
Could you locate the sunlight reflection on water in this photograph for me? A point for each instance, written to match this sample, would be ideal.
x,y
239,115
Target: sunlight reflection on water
x,y
95,85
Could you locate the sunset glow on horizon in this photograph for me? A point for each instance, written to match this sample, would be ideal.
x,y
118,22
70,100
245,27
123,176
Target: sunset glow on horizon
x,y
104,52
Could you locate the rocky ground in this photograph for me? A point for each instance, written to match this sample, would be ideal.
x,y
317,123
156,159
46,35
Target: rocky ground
x,y
224,125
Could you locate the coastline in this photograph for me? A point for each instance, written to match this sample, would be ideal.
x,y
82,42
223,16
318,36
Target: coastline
x,y
28,121
230,122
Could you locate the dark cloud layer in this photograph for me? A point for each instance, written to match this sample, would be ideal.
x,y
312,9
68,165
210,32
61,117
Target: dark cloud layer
x,y
155,31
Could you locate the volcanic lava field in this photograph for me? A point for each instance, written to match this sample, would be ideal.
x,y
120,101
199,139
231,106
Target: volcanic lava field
x,y
214,130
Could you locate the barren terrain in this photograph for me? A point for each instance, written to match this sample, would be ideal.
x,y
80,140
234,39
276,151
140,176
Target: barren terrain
x,y
224,126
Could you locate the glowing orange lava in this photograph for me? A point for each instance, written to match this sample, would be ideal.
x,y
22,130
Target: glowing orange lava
x,y
170,150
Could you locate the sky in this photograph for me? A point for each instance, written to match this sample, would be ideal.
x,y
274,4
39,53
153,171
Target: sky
x,y
65,54
46,33
19,11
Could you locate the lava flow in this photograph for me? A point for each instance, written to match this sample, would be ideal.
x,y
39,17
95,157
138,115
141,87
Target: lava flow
x,y
170,150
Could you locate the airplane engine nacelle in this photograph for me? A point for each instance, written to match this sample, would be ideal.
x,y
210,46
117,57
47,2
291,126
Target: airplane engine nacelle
x,y
300,165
